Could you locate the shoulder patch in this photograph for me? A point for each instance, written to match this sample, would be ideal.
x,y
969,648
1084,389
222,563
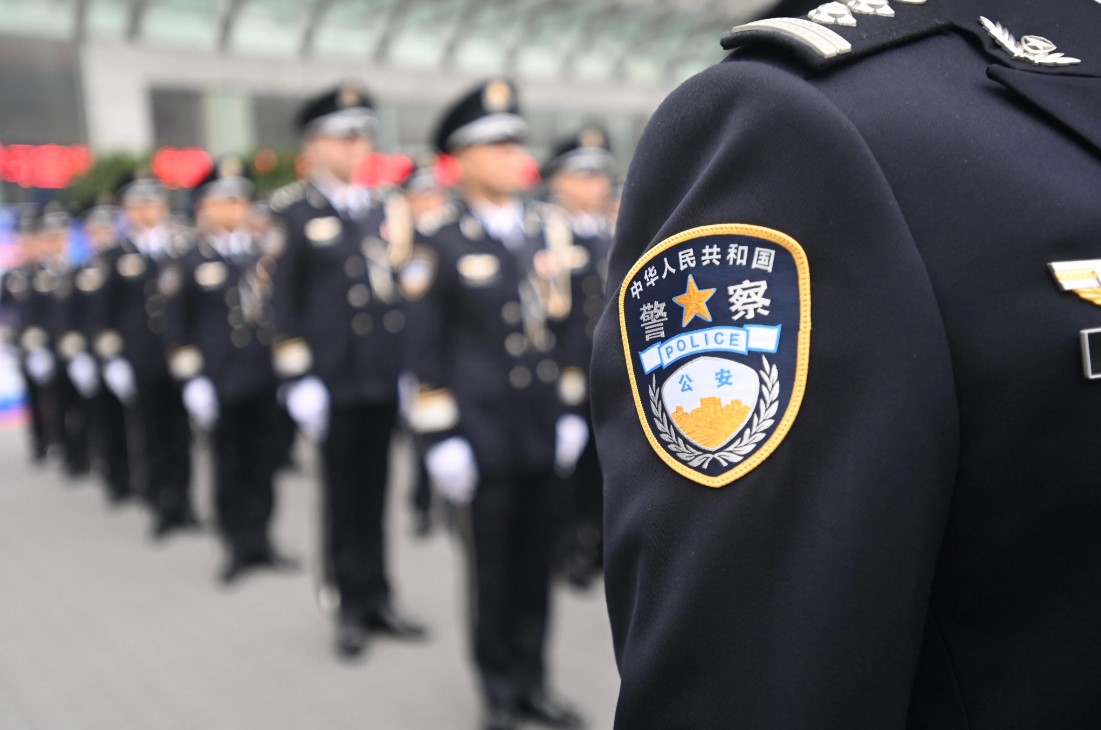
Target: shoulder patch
x,y
716,325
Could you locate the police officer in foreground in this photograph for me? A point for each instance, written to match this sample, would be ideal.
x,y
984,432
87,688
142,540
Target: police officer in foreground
x,y
889,520
106,415
491,278
579,179
339,327
219,337
130,340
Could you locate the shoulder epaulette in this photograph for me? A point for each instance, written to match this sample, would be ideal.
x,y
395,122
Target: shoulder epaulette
x,y
287,195
837,32
430,223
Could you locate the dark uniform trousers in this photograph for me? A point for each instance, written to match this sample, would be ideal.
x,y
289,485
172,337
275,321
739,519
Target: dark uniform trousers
x,y
107,431
509,541
245,462
39,407
166,433
72,424
356,466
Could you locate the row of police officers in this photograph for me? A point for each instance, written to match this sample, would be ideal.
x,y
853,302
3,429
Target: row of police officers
x,y
467,321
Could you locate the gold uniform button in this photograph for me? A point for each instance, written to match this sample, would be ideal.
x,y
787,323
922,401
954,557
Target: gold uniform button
x,y
547,371
362,324
511,313
359,295
240,338
394,321
519,377
516,344
355,267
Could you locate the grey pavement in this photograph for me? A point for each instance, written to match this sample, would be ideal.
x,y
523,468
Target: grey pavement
x,y
102,630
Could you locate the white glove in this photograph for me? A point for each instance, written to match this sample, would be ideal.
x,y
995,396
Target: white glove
x,y
572,435
120,379
41,366
82,371
308,404
453,470
201,401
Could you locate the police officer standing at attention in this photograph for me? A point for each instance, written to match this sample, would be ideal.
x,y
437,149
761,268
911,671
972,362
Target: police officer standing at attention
x,y
339,327
68,342
131,343
847,394
219,337
106,415
27,290
492,277
579,178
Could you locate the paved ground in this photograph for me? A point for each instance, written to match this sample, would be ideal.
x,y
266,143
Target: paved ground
x,y
100,630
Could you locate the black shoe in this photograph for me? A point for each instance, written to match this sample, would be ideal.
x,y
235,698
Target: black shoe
x,y
279,563
166,524
386,621
542,709
499,719
233,570
351,639
423,527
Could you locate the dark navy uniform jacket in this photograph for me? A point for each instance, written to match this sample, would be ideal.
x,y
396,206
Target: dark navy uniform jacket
x,y
131,313
337,307
29,294
219,325
588,265
481,344
923,549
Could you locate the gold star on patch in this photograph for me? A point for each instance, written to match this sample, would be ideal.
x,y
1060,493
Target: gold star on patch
x,y
694,301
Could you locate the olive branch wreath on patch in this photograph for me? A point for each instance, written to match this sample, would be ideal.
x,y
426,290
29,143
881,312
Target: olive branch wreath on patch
x,y
763,419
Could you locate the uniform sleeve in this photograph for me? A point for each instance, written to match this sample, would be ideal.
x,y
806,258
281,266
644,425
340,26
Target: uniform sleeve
x,y
291,353
434,411
797,595
105,316
178,286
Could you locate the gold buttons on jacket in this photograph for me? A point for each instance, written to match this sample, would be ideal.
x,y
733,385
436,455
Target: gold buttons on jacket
x,y
359,295
362,324
519,377
516,344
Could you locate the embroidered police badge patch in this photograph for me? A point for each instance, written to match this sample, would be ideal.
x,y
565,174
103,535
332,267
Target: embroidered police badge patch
x,y
716,331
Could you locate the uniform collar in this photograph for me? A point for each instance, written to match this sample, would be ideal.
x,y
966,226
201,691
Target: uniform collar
x,y
349,200
504,223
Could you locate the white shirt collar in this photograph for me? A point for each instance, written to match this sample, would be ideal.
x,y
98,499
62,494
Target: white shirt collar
x,y
503,222
346,198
